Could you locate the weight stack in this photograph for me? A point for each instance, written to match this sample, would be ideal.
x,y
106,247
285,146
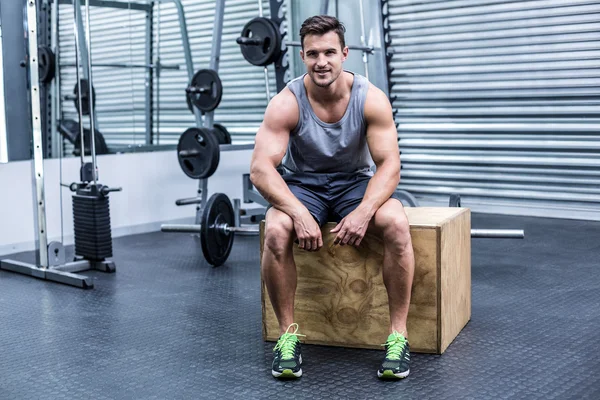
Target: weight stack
x,y
91,222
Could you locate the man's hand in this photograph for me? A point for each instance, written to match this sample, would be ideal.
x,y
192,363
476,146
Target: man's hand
x,y
308,232
352,228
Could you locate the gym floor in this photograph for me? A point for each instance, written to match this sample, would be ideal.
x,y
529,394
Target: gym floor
x,y
166,325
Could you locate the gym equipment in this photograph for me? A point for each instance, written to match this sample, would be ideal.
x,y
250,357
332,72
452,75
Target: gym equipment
x,y
198,153
130,65
488,233
216,229
222,134
406,198
192,160
91,221
454,200
47,63
260,41
70,129
204,91
91,217
3,130
84,95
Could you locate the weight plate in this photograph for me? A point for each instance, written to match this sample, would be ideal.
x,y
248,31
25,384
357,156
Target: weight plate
x,y
454,200
47,64
211,98
222,134
216,244
268,50
85,96
198,153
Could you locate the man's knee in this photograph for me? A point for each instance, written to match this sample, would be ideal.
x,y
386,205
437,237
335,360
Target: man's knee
x,y
394,225
279,231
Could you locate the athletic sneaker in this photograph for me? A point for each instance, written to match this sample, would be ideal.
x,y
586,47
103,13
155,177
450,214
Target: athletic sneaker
x,y
396,364
286,355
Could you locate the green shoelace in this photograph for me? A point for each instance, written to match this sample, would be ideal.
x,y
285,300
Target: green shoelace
x,y
287,342
396,343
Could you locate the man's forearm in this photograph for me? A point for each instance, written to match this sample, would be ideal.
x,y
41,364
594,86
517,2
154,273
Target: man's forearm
x,y
381,186
273,188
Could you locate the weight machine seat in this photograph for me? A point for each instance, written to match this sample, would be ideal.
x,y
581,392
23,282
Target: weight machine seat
x,y
70,130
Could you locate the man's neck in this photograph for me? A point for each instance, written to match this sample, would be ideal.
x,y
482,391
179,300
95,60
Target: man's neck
x,y
330,94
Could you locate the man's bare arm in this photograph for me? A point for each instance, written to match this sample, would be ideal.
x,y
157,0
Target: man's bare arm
x,y
383,145
270,146
382,139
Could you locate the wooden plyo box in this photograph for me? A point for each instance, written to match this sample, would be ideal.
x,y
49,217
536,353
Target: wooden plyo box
x,y
341,299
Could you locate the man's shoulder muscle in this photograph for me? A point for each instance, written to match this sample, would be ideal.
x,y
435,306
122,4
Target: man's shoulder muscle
x,y
282,111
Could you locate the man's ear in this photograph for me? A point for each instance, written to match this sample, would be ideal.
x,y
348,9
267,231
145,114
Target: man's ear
x,y
345,51
302,54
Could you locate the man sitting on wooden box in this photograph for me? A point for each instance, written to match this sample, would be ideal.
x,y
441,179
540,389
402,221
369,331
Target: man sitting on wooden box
x,y
313,162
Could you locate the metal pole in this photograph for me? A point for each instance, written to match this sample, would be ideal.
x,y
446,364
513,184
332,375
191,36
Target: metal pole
x,y
215,53
158,72
363,39
498,233
55,84
77,18
3,132
260,14
89,67
324,7
148,82
186,51
130,65
79,33
36,122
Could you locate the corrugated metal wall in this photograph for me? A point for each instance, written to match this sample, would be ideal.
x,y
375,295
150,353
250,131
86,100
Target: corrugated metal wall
x,y
499,101
119,35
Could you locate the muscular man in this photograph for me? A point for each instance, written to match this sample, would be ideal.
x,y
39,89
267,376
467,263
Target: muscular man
x,y
324,132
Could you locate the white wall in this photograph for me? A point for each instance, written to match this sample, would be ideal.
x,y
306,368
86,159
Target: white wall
x,y
151,183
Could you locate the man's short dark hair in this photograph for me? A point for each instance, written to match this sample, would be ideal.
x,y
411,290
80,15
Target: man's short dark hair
x,y
320,25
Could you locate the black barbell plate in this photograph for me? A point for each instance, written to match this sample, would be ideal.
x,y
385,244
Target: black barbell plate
x,y
222,134
269,48
216,245
454,200
207,100
85,96
202,141
47,64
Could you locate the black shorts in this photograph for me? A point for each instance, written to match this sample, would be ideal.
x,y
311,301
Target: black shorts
x,y
328,197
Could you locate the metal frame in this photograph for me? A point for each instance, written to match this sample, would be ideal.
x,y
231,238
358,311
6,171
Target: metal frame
x,y
114,4
149,78
49,256
3,131
214,65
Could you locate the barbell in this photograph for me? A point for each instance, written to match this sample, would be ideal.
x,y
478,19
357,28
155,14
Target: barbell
x,y
217,230
454,201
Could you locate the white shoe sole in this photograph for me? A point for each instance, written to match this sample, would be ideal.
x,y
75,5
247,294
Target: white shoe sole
x,y
390,375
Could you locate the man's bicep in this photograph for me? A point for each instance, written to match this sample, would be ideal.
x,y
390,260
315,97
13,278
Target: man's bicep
x,y
382,135
270,144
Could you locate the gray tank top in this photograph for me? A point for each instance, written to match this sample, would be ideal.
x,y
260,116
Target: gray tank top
x,y
317,146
